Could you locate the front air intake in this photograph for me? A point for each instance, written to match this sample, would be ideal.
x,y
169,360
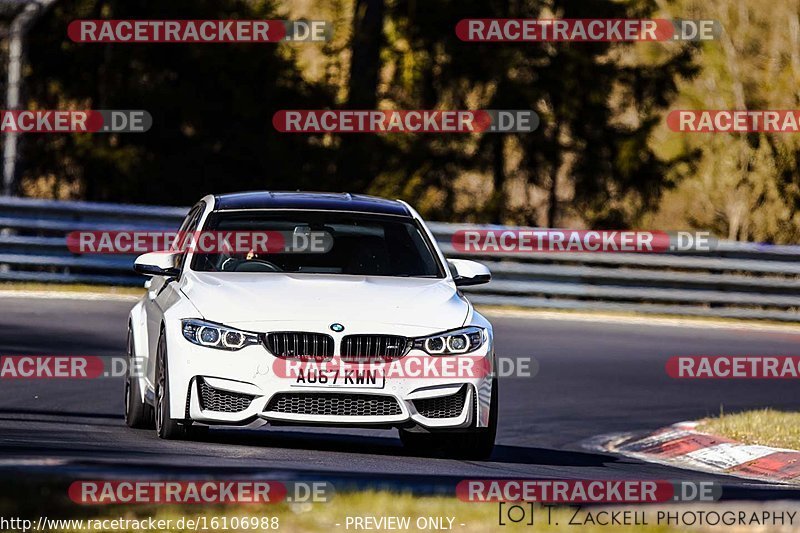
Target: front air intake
x,y
221,401
333,404
443,407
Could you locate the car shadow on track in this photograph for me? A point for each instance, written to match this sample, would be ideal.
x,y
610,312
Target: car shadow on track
x,y
391,446
335,442
45,416
67,414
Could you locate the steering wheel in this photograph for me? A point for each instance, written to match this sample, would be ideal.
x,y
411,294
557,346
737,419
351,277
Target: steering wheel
x,y
246,266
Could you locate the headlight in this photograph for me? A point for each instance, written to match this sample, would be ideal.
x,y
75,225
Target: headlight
x,y
454,342
217,336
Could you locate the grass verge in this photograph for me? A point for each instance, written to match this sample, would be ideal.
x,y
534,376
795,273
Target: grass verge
x,y
332,516
766,427
70,288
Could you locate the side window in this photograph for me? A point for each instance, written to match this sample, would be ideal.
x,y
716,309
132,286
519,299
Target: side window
x,y
188,227
186,221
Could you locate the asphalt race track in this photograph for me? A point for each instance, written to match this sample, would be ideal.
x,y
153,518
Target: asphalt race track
x,y
594,378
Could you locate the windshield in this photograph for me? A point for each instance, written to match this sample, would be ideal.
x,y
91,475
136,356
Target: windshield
x,y
324,242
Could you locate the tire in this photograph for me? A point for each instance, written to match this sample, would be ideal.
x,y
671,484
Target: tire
x,y
479,444
476,444
138,413
166,427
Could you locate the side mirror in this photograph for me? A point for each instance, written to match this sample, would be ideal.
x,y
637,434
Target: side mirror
x,y
157,264
466,273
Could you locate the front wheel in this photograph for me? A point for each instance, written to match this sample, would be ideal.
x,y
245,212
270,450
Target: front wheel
x,y
476,443
138,413
166,427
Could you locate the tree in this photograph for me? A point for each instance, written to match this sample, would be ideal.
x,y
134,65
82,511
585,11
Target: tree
x,y
212,106
356,161
605,165
741,186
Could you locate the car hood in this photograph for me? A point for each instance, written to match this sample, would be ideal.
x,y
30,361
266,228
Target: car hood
x,y
253,299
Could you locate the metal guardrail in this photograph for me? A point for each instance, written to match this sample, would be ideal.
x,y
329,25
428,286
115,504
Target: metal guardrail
x,y
736,280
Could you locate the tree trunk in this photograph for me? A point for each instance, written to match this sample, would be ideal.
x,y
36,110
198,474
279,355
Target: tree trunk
x,y
365,58
498,179
355,169
552,200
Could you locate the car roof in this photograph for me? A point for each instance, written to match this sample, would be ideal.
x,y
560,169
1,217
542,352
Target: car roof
x,y
323,201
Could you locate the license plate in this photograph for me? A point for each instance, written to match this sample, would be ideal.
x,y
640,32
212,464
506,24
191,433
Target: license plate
x,y
358,378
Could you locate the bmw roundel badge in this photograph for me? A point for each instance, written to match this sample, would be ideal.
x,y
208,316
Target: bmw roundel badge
x,y
338,328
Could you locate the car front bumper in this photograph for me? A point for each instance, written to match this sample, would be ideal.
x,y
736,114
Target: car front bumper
x,y
244,388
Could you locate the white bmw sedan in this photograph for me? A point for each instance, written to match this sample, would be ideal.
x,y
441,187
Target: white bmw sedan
x,y
366,329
